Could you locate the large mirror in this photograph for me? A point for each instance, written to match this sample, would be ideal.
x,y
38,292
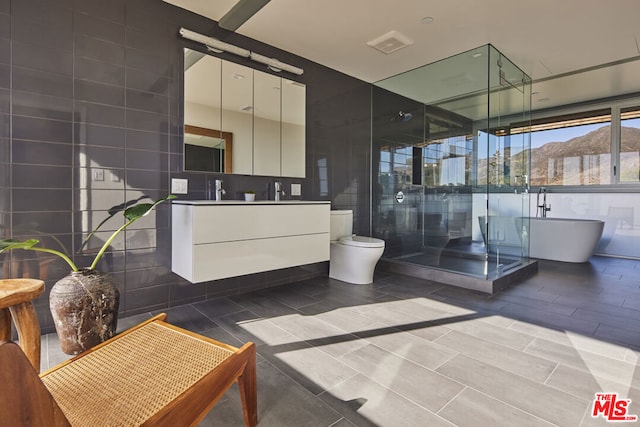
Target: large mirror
x,y
240,120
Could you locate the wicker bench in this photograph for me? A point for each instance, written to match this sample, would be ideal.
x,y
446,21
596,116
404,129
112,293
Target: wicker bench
x,y
153,374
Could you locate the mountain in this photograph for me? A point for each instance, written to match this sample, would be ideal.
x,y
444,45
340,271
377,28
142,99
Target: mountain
x,y
583,160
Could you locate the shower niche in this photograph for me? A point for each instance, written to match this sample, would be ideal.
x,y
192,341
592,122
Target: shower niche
x,y
452,138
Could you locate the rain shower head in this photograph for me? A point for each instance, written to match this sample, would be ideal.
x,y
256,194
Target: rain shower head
x,y
404,117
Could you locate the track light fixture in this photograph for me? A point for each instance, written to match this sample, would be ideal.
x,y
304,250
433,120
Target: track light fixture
x,y
214,45
218,46
275,65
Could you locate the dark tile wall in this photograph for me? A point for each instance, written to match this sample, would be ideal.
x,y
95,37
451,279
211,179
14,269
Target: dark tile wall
x,y
91,117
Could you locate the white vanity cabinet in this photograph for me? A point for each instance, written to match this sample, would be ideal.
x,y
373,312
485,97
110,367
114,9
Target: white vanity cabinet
x,y
214,240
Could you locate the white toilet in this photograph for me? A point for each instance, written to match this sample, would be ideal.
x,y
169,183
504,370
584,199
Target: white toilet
x,y
352,259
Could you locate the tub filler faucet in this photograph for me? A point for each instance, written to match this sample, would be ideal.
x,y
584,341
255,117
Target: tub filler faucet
x,y
544,207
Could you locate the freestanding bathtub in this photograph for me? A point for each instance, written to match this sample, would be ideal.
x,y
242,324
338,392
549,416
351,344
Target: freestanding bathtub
x,y
556,239
564,239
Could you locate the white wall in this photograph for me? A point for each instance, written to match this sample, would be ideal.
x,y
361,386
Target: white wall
x,y
619,211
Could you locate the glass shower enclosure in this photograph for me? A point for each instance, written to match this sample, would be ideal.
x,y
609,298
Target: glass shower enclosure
x,y
450,154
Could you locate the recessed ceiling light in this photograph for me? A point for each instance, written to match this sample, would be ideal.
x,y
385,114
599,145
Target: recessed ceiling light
x,y
477,55
543,99
427,20
238,76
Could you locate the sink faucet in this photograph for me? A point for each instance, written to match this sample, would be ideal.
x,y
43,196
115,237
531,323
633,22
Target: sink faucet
x,y
279,191
219,190
544,207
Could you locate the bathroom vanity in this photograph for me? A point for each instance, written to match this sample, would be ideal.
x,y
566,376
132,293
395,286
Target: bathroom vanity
x,y
218,239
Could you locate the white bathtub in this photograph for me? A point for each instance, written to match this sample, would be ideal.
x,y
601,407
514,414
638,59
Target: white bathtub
x,y
556,239
564,239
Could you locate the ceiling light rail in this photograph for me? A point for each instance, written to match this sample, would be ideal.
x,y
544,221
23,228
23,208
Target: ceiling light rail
x,y
218,46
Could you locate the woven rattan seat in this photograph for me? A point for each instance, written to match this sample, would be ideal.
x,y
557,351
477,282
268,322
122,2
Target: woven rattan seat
x,y
153,374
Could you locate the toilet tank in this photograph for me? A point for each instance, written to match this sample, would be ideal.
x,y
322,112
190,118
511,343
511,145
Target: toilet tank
x,y
341,223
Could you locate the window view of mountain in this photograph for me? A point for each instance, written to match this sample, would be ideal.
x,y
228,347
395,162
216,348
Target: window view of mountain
x,y
586,159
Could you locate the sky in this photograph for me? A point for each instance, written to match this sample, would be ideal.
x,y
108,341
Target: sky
x,y
538,139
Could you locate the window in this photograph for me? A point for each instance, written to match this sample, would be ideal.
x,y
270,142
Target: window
x,y
572,149
630,145
447,161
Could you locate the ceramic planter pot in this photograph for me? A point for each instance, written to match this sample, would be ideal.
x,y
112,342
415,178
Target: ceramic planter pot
x,y
84,306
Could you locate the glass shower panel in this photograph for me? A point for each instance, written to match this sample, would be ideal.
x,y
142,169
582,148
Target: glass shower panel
x,y
508,147
398,131
452,187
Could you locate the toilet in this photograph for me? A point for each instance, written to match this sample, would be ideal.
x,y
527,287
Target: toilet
x,y
352,258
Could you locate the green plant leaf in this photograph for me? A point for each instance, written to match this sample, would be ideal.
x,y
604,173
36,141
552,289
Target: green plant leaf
x,y
138,211
30,244
8,244
131,214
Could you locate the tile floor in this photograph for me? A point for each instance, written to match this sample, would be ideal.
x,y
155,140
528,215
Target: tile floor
x,y
406,352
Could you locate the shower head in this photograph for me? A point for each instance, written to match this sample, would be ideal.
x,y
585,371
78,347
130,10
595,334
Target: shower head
x,y
404,117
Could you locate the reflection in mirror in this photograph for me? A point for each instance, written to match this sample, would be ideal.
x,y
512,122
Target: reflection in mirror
x,y
264,113
266,125
237,113
293,128
207,150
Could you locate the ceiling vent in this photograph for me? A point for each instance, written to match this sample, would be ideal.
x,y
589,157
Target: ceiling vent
x,y
390,42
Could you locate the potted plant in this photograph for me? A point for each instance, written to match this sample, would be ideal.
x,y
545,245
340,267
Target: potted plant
x,y
249,195
84,304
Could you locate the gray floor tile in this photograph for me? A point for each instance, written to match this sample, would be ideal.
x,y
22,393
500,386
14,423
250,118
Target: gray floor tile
x,y
518,362
617,335
482,328
601,366
311,367
367,403
320,334
389,353
472,408
343,422
288,295
131,321
343,318
187,317
413,348
281,402
218,307
579,341
528,301
585,385
262,306
543,317
414,382
530,396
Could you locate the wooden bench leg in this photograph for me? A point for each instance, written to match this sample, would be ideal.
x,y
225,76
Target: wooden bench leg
x,y
26,320
5,324
248,389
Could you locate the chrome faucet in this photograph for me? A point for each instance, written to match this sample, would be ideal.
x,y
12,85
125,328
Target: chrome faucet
x,y
544,207
278,191
219,190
